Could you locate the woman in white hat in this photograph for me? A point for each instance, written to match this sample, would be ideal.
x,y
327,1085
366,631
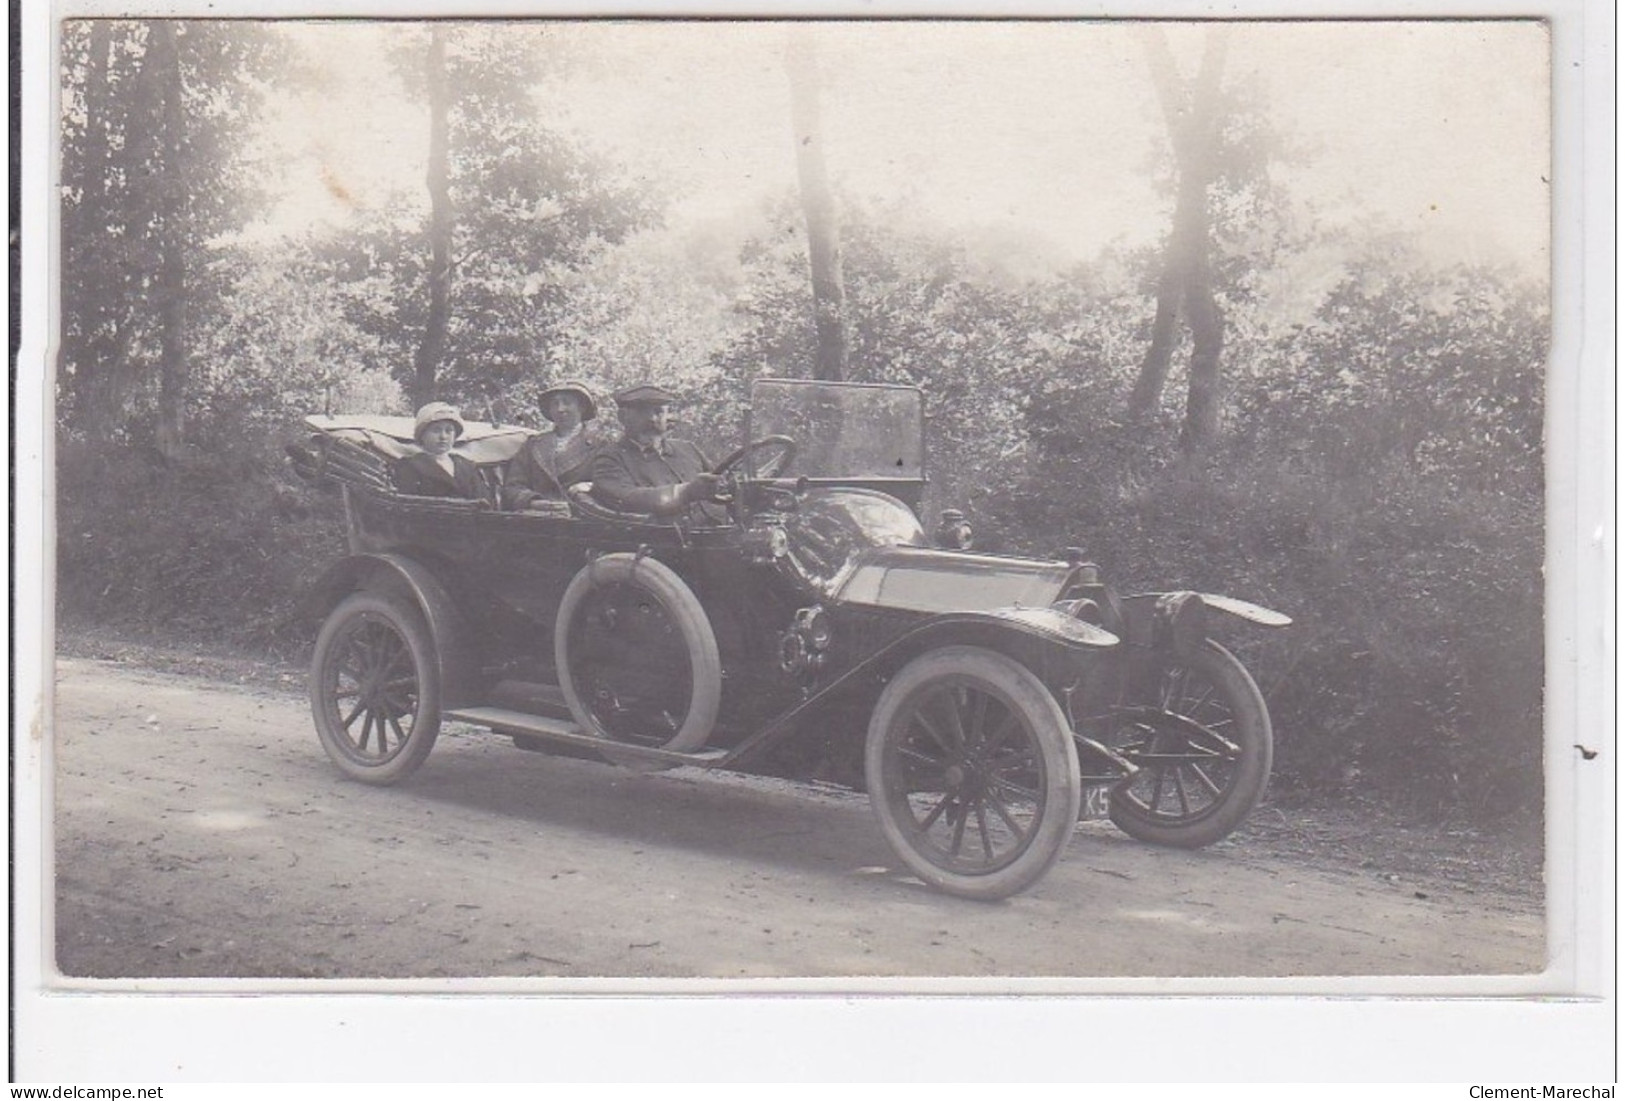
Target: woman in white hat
x,y
436,471
553,461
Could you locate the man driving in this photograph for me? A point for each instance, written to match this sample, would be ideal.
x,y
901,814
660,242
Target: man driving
x,y
649,472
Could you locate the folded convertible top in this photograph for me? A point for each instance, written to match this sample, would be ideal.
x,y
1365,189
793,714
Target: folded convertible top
x,y
392,436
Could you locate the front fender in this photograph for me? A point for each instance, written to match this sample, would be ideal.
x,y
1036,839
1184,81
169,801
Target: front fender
x,y
1040,638
1242,609
1143,615
1051,643
455,642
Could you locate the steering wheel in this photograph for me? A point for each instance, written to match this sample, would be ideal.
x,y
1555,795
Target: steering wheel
x,y
781,452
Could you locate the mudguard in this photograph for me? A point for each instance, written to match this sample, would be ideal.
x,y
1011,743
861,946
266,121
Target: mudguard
x,y
455,643
1241,609
1141,615
1025,634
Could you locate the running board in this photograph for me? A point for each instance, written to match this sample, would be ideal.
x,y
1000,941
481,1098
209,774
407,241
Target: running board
x,y
564,732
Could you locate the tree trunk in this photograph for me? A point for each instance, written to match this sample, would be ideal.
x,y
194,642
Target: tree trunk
x,y
1207,343
823,235
105,390
1193,117
170,288
432,349
1158,357
1201,307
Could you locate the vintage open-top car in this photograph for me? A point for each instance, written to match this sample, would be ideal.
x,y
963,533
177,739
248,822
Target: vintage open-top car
x,y
976,697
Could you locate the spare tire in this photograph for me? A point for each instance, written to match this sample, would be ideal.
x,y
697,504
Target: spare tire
x,y
637,658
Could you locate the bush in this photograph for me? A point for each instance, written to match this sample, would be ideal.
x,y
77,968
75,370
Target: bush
x,y
217,550
1396,512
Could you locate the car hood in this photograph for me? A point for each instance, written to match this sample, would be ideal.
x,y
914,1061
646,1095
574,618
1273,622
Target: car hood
x,y
923,579
859,546
831,527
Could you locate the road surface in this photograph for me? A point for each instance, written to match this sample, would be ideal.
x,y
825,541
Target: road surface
x,y
201,832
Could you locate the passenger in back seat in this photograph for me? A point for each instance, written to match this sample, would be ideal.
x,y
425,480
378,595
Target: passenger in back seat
x,y
551,462
436,471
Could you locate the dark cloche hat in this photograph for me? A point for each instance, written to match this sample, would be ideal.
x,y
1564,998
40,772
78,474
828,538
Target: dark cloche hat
x,y
572,386
645,395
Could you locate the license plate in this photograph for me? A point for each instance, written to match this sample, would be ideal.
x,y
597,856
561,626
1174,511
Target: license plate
x,y
1096,803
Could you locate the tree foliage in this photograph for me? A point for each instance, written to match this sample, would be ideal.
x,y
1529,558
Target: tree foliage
x,y
924,310
153,174
527,207
1382,481
281,347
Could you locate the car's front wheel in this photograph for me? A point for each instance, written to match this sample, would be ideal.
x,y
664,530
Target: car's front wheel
x,y
1203,745
374,688
972,772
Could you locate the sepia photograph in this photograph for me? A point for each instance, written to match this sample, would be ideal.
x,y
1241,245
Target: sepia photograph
x,y
647,507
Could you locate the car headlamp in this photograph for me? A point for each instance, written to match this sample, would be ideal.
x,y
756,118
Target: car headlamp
x,y
953,530
814,626
1084,572
793,656
802,646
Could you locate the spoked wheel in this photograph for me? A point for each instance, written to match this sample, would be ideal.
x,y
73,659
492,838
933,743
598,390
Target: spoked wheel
x,y
374,688
1204,748
972,772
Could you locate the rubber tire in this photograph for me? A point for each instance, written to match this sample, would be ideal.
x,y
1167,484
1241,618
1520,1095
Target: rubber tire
x,y
1025,695
408,625
658,579
1252,732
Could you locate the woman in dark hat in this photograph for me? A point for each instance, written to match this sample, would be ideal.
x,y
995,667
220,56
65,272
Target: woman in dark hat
x,y
553,461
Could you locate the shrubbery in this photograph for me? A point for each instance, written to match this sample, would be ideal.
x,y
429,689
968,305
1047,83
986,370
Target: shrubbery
x,y
1415,662
220,549
1394,507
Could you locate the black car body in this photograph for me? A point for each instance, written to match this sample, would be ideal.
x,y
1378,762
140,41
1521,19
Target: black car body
x,y
975,696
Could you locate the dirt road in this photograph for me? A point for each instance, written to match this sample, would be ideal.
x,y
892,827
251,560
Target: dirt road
x,y
200,831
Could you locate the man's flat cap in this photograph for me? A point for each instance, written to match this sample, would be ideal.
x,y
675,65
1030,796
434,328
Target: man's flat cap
x,y
645,395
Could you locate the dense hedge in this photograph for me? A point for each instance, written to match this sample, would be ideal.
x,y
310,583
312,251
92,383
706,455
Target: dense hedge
x,y
1381,480
219,550
1415,664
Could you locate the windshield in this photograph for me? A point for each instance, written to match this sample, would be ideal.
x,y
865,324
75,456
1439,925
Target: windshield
x,y
842,430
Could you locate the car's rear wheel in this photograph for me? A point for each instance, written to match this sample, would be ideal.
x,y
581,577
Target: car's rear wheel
x,y
972,772
1204,747
637,658
374,688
